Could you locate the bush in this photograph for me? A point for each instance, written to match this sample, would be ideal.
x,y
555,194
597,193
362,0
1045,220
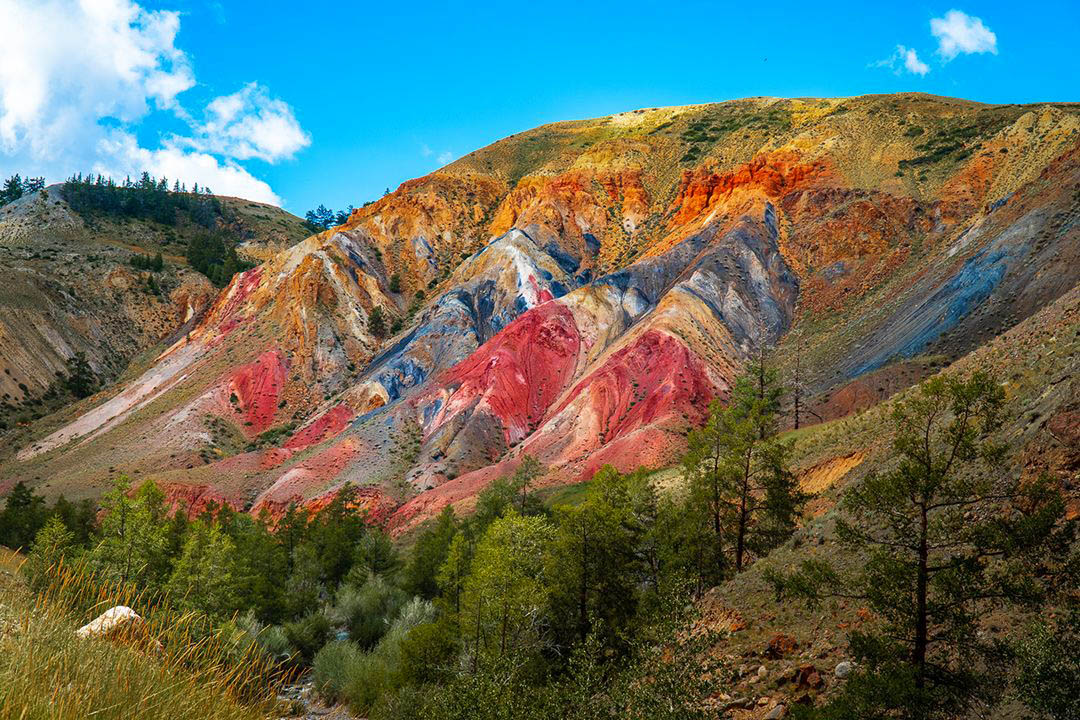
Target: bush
x,y
369,679
308,634
426,653
369,610
334,669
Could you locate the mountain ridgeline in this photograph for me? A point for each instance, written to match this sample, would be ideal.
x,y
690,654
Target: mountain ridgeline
x,y
701,335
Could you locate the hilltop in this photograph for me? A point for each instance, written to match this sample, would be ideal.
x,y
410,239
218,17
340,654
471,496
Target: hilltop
x,y
580,292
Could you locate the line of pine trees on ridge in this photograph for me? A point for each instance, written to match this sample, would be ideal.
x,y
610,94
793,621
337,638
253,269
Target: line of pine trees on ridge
x,y
527,610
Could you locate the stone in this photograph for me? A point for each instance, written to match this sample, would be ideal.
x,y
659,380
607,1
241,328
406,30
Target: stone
x,y
781,645
109,621
762,671
843,669
776,713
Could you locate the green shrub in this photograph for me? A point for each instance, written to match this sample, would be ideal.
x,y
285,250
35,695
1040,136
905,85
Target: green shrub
x,y
426,653
368,611
334,668
368,679
308,634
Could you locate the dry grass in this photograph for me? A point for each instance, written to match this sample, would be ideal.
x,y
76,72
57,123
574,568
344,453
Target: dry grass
x,y
172,666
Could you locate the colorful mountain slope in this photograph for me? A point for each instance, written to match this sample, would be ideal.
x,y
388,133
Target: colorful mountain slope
x,y
581,292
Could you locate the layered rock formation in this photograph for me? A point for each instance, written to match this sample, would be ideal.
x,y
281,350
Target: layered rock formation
x,y
581,292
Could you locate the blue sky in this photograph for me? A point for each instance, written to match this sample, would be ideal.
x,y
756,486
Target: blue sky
x,y
333,102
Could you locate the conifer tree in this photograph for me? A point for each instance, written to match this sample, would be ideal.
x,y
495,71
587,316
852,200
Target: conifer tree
x,y
944,538
133,535
739,474
54,543
204,577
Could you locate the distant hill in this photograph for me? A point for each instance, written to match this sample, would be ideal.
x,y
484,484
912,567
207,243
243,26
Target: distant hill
x,y
67,285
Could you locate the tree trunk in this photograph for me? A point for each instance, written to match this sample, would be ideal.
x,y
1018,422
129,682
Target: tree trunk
x,y
583,597
918,655
740,546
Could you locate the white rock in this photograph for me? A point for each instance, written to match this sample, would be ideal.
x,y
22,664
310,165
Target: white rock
x,y
108,621
843,669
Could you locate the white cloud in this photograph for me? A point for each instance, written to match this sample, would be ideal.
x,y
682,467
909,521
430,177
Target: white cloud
x,y
78,77
904,59
121,155
912,62
958,33
250,124
445,157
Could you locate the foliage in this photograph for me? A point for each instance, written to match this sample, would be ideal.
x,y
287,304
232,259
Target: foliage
x,y
505,593
204,576
15,187
145,199
420,574
739,476
25,513
367,611
323,218
376,322
140,261
214,255
1049,667
949,534
52,543
133,536
308,634
81,380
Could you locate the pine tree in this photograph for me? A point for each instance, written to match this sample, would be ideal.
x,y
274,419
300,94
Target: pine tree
x,y
204,576
133,546
24,513
420,575
53,544
739,473
81,380
12,190
376,322
947,536
593,569
528,471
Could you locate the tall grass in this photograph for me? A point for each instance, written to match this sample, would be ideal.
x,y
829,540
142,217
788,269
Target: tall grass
x,y
173,665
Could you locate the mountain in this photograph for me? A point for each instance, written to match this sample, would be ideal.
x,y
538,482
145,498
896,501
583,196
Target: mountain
x,y
580,292
67,285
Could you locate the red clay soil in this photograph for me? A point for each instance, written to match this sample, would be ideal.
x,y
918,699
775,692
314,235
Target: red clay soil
x,y
654,377
642,397
318,471
516,376
774,175
326,426
193,499
257,387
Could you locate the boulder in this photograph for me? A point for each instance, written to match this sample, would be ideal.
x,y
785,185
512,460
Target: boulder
x,y
110,621
781,645
843,669
776,713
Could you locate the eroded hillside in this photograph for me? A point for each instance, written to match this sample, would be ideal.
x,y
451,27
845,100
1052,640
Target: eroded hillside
x,y
581,291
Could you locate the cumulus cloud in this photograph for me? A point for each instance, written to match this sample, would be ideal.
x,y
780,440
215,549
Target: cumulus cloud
x,y
912,63
78,77
250,124
904,59
959,33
